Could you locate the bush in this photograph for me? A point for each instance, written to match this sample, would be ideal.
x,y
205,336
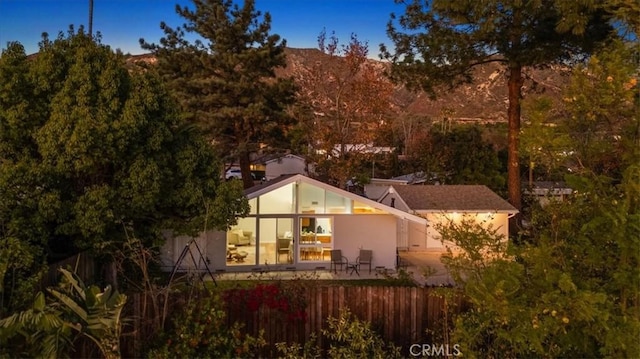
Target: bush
x,y
201,331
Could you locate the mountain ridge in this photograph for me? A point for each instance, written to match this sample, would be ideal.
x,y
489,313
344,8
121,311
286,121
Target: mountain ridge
x,y
484,100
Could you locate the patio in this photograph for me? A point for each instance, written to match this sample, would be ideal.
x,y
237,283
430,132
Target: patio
x,y
414,263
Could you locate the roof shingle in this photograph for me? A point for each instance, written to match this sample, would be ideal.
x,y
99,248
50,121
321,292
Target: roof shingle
x,y
462,198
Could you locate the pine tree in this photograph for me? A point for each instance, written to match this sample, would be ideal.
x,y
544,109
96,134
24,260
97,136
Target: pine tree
x,y
444,40
573,290
226,81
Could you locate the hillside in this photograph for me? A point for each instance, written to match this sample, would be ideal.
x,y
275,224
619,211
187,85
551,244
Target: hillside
x,y
484,100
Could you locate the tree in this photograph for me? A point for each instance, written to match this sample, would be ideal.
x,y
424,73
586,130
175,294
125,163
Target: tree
x,y
460,156
90,151
445,40
226,81
573,289
594,128
350,106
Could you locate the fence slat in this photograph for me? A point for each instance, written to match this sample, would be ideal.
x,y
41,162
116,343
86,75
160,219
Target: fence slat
x,y
399,314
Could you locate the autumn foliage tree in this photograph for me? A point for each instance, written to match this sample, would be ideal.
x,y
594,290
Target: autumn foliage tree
x,y
225,81
349,103
439,42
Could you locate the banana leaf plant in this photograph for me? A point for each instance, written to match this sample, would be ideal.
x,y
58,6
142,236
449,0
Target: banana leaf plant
x,y
94,313
46,330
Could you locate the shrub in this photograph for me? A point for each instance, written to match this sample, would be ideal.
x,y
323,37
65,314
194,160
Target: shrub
x,y
201,331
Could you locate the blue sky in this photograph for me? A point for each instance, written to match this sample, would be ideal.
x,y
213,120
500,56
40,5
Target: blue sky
x,y
123,22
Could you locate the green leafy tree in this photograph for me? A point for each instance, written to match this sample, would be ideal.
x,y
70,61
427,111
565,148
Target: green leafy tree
x,y
573,289
441,42
461,156
595,128
225,81
572,293
89,150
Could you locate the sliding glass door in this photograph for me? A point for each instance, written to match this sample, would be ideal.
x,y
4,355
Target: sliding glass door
x,y
316,238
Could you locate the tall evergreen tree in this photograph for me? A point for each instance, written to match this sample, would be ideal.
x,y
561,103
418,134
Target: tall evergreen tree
x,y
226,80
443,40
573,290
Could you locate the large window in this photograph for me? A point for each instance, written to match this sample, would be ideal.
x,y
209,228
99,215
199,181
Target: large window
x,y
278,201
276,241
316,238
311,199
290,224
241,243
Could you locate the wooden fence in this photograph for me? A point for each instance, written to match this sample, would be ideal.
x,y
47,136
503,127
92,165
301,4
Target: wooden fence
x,y
400,315
82,264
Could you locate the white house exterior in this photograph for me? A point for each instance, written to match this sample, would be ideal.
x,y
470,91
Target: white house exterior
x,y
284,165
444,203
293,224
379,186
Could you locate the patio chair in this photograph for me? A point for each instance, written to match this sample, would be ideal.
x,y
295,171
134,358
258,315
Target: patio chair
x,y
337,259
364,258
284,247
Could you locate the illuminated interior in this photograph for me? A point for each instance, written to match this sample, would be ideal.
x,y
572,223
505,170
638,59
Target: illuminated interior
x,y
291,224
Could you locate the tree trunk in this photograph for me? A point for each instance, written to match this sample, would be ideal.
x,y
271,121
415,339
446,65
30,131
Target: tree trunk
x,y
245,169
513,167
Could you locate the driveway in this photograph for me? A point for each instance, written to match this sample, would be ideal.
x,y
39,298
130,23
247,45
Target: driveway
x,y
427,268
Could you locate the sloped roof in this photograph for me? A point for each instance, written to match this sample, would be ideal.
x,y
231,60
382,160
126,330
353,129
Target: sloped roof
x,y
461,198
416,177
281,157
272,184
283,180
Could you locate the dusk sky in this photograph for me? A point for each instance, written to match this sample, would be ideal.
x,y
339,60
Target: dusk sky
x,y
123,22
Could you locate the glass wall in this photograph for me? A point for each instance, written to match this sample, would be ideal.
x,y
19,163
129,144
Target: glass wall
x,y
316,239
294,226
241,243
278,201
276,241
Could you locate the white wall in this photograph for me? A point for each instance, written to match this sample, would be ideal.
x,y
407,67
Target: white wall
x,y
286,165
173,248
499,221
418,240
397,203
367,231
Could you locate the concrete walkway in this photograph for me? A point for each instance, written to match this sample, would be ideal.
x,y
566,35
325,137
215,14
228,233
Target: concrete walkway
x,y
425,268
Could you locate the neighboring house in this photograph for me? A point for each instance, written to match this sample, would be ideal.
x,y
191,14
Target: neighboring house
x,y
547,191
413,178
379,186
287,164
368,148
293,224
442,203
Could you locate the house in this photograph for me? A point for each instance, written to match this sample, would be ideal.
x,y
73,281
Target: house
x,y
287,164
293,223
548,191
443,203
379,186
